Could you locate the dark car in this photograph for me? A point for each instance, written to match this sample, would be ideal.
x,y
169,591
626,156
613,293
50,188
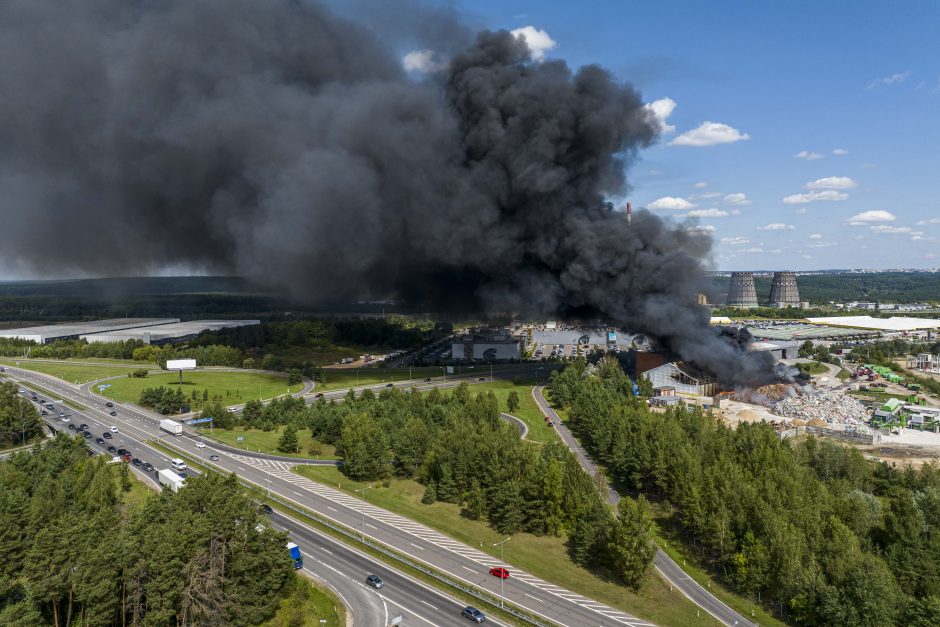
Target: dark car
x,y
123,451
389,385
114,413
107,435
109,404
266,508
71,426
426,379
111,449
213,458
473,614
147,467
45,413
182,475
374,581
481,379
319,395
82,427
126,457
35,398
87,434
137,462
99,440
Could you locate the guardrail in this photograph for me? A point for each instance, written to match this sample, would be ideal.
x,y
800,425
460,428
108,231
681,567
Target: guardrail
x,y
376,546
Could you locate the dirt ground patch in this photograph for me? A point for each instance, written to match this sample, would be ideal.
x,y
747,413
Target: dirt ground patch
x,y
902,454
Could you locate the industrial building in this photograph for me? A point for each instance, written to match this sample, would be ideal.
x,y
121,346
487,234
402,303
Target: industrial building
x,y
779,350
924,362
801,332
741,290
487,345
784,291
167,333
894,324
682,378
70,331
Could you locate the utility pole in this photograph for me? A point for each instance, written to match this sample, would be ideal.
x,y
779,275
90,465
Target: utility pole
x,y
363,490
502,561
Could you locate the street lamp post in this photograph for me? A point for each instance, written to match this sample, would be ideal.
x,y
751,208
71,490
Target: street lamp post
x,y
502,561
363,490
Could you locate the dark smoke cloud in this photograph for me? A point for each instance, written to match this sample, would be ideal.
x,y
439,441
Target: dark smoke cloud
x,y
271,139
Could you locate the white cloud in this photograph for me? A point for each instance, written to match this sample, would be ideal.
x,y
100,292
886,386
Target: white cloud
x,y
655,172
735,241
537,40
707,213
670,202
710,195
710,134
894,230
806,256
930,221
868,166
754,249
840,151
832,182
701,185
701,228
828,194
807,155
737,199
776,226
800,211
893,79
661,110
423,61
823,245
877,215
816,236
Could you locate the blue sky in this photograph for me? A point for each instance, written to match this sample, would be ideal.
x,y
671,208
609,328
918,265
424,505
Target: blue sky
x,y
853,87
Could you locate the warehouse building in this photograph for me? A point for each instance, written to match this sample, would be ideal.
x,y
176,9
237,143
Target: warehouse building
x,y
167,333
682,378
70,331
487,345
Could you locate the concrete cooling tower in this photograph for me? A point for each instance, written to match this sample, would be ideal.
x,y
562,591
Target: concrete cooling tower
x,y
741,292
784,290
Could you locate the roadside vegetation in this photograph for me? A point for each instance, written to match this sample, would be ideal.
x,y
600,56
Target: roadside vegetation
x,y
20,423
204,387
74,553
812,529
72,371
270,442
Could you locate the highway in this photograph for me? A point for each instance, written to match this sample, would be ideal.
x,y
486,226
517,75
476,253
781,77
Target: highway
x,y
666,566
341,567
459,561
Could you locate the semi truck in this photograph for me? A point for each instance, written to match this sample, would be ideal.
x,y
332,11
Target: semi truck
x,y
170,480
172,426
295,555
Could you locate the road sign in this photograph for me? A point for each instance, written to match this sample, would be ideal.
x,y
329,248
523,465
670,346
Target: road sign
x,y
104,385
240,438
196,421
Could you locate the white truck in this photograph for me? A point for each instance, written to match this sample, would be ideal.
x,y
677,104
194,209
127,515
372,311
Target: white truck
x,y
172,426
169,479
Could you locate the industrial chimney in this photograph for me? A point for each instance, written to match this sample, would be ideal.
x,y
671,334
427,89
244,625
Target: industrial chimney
x,y
741,291
783,290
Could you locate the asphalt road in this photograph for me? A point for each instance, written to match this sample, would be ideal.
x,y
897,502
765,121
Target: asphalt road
x,y
460,561
666,566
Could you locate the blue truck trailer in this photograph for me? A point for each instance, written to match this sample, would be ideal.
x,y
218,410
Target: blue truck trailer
x,y
295,555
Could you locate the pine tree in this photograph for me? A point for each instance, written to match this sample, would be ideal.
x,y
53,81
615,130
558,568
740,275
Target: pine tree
x,y
512,401
631,546
289,442
430,494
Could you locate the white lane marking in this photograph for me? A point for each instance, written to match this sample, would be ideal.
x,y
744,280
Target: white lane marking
x,y
371,526
326,550
416,546
428,604
470,569
532,597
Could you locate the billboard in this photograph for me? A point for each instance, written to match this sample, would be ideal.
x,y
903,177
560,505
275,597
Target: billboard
x,y
611,336
180,364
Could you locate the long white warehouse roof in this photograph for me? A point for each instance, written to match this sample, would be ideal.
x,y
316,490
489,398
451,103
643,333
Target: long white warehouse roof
x,y
51,332
895,323
167,332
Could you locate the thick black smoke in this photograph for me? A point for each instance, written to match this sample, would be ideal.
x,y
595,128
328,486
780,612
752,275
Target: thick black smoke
x,y
270,139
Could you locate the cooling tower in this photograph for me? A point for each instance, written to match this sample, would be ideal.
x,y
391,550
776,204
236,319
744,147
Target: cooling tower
x,y
784,290
741,292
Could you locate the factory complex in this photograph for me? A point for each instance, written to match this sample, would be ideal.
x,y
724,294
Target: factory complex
x,y
895,324
146,330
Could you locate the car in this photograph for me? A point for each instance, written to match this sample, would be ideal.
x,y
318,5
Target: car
x,y
82,427
147,467
200,445
44,412
319,395
389,385
549,423
547,418
126,457
123,451
86,434
65,419
426,379
35,398
213,458
375,581
137,462
182,475
22,391
111,449
109,404
42,401
473,614
107,435
113,429
72,427
113,413
266,508
499,572
99,440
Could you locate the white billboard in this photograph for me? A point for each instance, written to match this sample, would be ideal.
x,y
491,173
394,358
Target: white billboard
x,y
180,364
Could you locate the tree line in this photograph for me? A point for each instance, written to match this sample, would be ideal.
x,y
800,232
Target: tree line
x,y
19,418
73,554
810,528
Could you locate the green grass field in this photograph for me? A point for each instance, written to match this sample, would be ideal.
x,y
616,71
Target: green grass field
x,y
266,441
544,557
340,378
73,371
234,387
308,604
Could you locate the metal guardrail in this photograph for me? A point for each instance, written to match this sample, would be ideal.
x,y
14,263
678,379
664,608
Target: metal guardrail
x,y
381,548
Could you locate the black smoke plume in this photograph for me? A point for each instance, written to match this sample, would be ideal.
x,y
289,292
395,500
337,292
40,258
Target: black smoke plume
x,y
271,139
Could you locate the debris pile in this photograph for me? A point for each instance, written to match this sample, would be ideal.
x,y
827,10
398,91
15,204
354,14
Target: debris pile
x,y
830,407
766,394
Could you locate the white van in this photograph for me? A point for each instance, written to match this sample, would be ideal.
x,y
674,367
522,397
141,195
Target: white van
x,y
178,464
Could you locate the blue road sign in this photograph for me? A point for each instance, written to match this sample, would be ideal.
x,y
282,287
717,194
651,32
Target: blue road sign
x,y
104,385
196,421
240,438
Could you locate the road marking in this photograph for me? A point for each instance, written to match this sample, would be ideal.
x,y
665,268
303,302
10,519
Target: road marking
x,y
428,604
326,550
372,526
416,546
470,569
331,508
532,597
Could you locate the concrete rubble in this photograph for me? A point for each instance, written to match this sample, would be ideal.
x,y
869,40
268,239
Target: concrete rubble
x,y
830,407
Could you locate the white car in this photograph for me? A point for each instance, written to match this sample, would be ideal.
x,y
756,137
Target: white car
x,y
200,445
22,391
66,419
113,429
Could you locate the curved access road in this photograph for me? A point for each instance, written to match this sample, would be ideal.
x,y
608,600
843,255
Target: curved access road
x,y
666,566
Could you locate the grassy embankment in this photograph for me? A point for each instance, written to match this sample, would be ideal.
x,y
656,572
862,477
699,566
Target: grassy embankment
x,y
545,557
234,387
74,371
266,442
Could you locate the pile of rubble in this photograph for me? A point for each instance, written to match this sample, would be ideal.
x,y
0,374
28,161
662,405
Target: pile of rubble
x,y
833,408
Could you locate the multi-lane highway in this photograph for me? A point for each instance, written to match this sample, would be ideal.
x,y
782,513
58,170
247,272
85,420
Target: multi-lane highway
x,y
459,561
